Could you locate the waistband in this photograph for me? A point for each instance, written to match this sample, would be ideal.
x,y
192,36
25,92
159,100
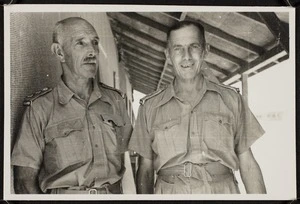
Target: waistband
x,y
207,172
104,189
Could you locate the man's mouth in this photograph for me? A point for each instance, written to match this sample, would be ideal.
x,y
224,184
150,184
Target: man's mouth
x,y
187,65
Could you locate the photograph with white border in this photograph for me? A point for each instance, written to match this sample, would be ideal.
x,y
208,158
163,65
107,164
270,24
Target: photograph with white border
x,y
249,52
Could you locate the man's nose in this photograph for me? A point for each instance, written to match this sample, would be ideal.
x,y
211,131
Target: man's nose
x,y
92,50
186,53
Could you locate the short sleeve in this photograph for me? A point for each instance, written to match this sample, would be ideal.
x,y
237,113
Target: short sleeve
x,y
248,128
29,146
141,141
126,129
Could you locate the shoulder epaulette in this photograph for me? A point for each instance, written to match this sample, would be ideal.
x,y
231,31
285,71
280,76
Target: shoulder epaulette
x,y
155,93
237,90
123,95
29,99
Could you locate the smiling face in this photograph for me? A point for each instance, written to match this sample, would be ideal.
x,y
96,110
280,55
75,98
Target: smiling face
x,y
80,49
186,51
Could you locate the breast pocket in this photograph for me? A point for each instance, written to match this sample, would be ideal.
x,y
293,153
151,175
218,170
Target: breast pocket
x,y
217,132
168,142
66,145
114,127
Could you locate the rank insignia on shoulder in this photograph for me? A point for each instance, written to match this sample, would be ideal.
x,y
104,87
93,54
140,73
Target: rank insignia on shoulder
x,y
123,95
155,93
237,90
30,98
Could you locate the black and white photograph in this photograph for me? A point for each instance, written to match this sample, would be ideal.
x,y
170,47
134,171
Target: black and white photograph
x,y
130,102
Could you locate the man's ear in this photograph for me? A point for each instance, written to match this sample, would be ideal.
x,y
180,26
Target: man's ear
x,y
167,54
58,51
207,49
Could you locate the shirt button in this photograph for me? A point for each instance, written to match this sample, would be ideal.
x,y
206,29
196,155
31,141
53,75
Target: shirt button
x,y
96,145
93,126
203,153
220,121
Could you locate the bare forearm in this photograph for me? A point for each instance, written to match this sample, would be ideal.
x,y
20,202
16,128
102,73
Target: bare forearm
x,y
25,180
251,174
145,178
253,179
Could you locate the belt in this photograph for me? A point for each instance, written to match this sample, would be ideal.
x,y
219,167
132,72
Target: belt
x,y
206,172
104,189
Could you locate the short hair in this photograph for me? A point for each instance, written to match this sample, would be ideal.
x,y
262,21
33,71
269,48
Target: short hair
x,y
59,27
181,24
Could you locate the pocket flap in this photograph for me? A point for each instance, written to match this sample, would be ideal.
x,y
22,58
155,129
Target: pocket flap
x,y
168,124
217,118
117,120
63,129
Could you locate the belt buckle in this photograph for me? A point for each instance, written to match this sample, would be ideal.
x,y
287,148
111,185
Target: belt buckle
x,y
93,191
187,169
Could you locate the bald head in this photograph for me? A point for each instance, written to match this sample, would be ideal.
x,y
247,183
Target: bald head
x,y
63,27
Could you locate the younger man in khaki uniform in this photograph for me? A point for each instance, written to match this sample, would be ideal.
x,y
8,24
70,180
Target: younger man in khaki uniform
x,y
194,133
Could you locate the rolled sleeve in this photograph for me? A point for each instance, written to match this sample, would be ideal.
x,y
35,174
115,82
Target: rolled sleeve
x,y
141,141
248,129
28,149
127,129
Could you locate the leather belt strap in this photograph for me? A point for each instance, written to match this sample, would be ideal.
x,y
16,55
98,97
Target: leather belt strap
x,y
206,172
104,189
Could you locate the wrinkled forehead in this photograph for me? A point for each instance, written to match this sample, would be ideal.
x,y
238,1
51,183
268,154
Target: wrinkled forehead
x,y
78,28
186,33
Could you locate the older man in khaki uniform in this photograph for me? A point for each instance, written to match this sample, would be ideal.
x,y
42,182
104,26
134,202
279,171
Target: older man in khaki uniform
x,y
73,137
195,132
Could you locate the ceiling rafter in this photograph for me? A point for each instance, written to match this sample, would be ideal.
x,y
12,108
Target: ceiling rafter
x,y
148,72
230,38
274,24
141,54
143,79
141,74
146,21
145,47
227,56
120,27
218,69
253,16
142,63
271,53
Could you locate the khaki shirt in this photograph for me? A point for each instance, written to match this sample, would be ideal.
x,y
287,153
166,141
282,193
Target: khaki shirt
x,y
72,142
218,127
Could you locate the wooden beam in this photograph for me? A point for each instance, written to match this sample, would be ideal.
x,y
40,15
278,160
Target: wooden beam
x,y
218,69
145,47
121,27
174,15
143,81
145,74
245,88
225,55
230,38
142,88
143,63
146,21
141,54
274,25
146,71
147,79
272,55
253,16
140,66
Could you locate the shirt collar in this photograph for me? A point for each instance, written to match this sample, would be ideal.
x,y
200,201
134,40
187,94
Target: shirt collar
x,y
170,92
65,93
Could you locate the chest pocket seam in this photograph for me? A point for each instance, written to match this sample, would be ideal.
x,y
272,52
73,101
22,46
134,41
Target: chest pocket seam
x,y
167,125
62,129
115,119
